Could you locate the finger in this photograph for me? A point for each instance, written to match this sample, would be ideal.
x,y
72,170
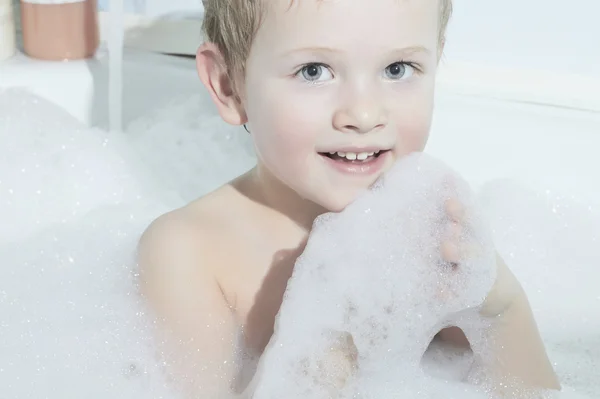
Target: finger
x,y
339,362
450,246
454,209
450,252
454,253
454,232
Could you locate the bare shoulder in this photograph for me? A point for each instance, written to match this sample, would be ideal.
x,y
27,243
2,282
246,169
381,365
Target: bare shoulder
x,y
181,256
188,237
186,250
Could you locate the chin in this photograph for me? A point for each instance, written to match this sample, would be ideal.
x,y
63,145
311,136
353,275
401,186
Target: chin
x,y
336,207
337,202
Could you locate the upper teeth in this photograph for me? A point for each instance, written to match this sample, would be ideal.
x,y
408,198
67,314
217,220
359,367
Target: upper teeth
x,y
361,156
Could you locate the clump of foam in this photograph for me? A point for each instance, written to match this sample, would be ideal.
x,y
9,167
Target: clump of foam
x,y
549,237
187,147
375,272
53,169
72,323
72,211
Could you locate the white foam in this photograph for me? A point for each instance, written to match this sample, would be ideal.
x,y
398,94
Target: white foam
x,y
72,209
72,324
375,271
188,148
550,237
66,286
53,169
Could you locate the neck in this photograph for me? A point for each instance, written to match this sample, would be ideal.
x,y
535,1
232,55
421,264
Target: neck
x,y
272,193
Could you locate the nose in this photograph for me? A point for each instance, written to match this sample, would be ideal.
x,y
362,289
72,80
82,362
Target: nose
x,y
360,116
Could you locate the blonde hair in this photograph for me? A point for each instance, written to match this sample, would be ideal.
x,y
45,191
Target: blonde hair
x,y
232,24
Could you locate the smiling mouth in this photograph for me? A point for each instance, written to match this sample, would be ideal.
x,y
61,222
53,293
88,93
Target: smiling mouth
x,y
354,157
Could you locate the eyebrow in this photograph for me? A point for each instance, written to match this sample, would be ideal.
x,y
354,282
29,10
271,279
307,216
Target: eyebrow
x,y
405,50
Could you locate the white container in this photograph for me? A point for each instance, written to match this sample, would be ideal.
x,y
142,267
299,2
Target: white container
x,y
7,30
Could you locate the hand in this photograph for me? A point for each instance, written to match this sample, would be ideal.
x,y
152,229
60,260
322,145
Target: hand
x,y
455,250
503,294
451,248
328,370
338,364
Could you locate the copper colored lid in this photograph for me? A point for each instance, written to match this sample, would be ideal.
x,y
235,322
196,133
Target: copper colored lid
x,y
60,31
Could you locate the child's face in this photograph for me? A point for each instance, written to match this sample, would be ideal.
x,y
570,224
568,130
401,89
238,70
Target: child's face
x,y
350,76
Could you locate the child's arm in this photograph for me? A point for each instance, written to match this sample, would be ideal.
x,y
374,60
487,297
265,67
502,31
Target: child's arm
x,y
520,357
197,329
517,345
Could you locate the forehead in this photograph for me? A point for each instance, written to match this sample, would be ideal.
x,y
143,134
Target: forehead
x,y
342,22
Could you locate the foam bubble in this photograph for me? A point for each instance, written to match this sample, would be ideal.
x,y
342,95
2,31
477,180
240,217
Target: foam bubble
x,y
549,237
53,169
72,211
72,320
189,149
375,272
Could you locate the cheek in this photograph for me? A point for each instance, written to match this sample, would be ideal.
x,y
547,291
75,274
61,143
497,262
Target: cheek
x,y
413,124
414,135
285,125
283,142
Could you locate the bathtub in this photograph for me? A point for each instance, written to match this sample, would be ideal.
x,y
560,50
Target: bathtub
x,y
535,167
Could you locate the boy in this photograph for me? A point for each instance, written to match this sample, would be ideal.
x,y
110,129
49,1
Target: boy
x,y
332,92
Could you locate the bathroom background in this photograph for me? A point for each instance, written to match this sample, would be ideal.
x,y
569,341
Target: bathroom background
x,y
509,48
505,47
79,196
544,34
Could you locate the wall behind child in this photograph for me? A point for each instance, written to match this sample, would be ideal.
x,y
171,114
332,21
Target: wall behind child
x,y
155,7
545,51
553,35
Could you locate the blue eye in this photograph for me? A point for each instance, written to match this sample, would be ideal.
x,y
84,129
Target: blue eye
x,y
314,72
399,70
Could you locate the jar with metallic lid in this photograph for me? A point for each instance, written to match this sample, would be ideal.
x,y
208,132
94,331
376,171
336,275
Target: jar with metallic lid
x,y
59,30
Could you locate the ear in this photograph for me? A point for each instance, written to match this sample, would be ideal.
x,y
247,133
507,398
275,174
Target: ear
x,y
213,73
